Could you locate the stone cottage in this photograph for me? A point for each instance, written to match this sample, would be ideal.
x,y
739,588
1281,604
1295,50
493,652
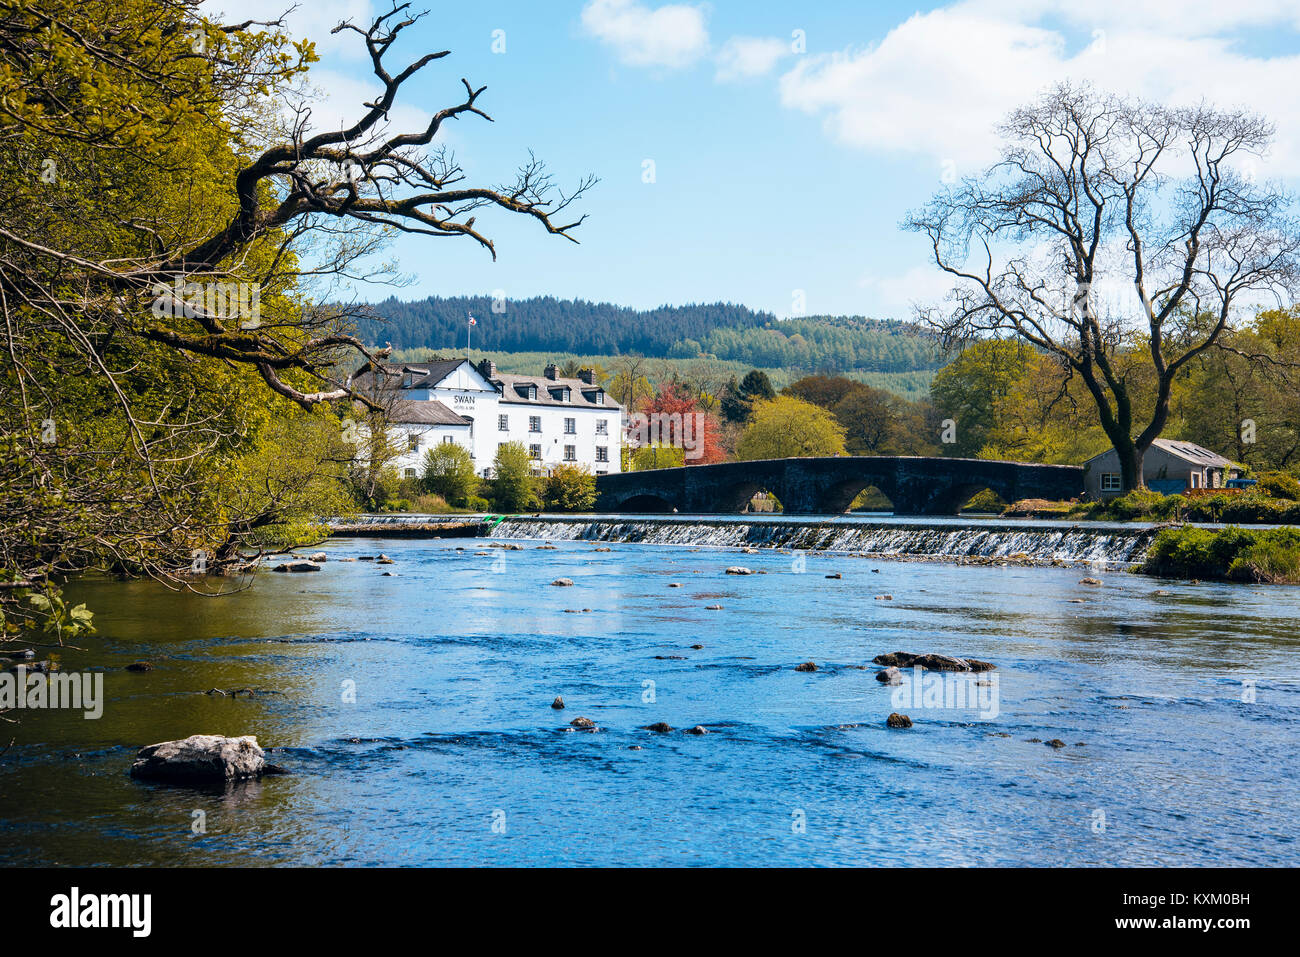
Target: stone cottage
x,y
1169,466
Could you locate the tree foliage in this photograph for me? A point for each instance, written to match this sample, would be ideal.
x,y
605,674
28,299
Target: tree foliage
x,y
786,427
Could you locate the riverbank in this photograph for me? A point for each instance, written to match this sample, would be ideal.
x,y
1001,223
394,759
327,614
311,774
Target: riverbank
x,y
1257,556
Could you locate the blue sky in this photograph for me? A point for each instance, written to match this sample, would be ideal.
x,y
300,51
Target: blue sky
x,y
777,169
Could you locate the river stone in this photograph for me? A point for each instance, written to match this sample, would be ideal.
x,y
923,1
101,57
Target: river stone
x,y
698,729
661,727
563,582
1055,743
318,557
558,703
835,575
806,666
1089,581
139,666
890,676
297,566
931,662
201,758
583,723
739,570
897,720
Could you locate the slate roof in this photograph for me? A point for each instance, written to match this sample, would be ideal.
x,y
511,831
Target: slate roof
x,y
582,395
424,412
1191,452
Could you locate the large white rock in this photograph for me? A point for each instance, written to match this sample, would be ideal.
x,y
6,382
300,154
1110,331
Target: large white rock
x,y
200,758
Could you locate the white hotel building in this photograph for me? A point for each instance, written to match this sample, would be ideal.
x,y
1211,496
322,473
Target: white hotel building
x,y
559,421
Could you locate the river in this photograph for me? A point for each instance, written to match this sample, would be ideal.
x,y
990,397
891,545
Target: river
x,y
1179,713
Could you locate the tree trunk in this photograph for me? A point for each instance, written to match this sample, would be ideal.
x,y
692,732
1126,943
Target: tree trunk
x,y
1130,467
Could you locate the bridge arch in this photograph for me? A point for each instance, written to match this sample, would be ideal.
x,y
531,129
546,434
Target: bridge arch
x,y
915,485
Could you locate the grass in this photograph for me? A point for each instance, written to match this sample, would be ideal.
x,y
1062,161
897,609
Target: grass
x,y
1270,555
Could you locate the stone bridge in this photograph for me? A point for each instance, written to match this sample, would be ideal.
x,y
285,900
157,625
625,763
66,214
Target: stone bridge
x,y
827,486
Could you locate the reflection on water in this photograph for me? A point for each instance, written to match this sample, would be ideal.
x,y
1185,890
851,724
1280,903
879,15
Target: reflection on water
x,y
455,666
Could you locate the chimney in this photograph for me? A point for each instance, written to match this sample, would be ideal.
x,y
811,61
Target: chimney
x,y
487,368
588,376
552,371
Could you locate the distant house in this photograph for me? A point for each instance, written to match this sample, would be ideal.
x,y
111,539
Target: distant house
x,y
1169,466
559,421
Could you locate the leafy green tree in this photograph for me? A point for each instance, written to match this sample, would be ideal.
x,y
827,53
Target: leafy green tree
x,y
569,488
786,427
513,487
155,206
448,470
967,389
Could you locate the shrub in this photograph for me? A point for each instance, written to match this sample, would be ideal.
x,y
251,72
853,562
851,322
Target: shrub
x,y
986,500
569,488
432,504
1279,485
477,503
513,489
448,471
1237,554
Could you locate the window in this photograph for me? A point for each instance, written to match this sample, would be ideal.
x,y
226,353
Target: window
x,y
1110,482
1194,477
602,426
600,397
410,473
534,451
602,453
503,423
534,423
415,443
447,439
570,453
570,426
532,392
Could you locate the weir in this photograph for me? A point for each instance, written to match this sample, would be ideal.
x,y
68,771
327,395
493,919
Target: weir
x,y
1043,543
1059,543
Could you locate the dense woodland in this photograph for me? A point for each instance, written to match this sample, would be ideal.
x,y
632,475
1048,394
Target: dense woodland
x,y
718,330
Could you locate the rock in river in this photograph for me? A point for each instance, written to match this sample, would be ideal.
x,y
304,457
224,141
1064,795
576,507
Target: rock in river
x,y
583,723
558,703
890,676
201,758
931,662
301,566
806,666
563,582
739,570
662,727
897,720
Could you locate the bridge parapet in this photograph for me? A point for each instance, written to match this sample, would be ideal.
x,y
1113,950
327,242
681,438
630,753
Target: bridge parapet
x,y
827,485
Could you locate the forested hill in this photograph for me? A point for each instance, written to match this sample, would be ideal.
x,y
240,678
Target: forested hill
x,y
724,330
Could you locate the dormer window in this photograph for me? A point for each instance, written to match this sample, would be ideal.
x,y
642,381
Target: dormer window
x,y
532,393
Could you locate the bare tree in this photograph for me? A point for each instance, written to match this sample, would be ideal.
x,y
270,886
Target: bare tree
x,y
1111,229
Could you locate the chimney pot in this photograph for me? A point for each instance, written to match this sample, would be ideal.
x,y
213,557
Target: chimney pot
x,y
552,371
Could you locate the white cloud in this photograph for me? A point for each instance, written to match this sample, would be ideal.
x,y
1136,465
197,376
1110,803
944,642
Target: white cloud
x,y
899,293
743,58
937,83
672,36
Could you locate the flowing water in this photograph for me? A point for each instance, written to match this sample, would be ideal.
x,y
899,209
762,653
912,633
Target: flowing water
x,y
1179,712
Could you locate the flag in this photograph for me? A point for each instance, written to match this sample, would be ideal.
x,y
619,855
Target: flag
x,y
473,321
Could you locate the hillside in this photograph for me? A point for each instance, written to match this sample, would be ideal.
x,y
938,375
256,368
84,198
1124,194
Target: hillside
x,y
723,331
